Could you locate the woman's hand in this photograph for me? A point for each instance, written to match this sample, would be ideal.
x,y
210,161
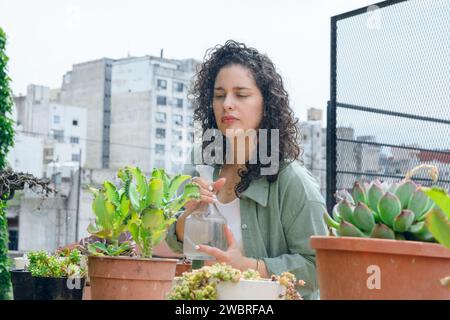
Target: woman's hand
x,y
233,256
207,192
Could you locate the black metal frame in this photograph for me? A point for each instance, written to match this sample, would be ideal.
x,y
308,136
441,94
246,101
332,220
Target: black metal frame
x,y
332,139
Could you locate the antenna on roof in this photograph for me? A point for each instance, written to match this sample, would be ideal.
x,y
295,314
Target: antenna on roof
x,y
161,55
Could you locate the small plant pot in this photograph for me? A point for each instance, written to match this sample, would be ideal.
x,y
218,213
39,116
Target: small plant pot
x,y
251,290
22,283
124,278
183,267
46,288
361,269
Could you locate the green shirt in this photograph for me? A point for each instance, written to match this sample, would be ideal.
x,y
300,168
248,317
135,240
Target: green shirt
x,y
277,220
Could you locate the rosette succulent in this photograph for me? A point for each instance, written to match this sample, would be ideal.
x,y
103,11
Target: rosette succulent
x,y
384,210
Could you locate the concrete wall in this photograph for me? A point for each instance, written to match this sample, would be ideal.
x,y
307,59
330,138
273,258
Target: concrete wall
x,y
27,154
87,85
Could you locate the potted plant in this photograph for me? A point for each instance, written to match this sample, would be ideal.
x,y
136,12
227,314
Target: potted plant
x,y
382,246
50,277
143,208
222,282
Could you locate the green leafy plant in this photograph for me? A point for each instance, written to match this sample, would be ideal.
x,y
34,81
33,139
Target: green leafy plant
x,y
201,284
63,265
6,142
154,206
384,210
143,207
111,207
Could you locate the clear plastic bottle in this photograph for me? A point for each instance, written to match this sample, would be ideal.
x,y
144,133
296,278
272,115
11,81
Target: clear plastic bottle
x,y
204,226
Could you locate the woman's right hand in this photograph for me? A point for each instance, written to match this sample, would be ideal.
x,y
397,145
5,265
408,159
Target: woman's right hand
x,y
207,194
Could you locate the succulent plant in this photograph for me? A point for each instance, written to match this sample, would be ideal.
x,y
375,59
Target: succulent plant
x,y
142,207
384,210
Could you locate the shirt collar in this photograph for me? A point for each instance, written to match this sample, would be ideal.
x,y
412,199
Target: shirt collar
x,y
258,190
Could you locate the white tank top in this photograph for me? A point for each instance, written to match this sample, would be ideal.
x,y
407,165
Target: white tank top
x,y
232,213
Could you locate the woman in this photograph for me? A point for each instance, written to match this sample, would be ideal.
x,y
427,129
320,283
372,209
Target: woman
x,y
271,216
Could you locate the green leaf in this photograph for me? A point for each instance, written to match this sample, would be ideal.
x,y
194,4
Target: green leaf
x,y
152,218
93,248
363,217
134,197
134,230
440,197
345,210
124,205
405,191
99,208
111,193
419,203
191,192
141,181
382,231
374,195
389,207
439,226
403,221
359,193
329,221
175,184
347,229
155,192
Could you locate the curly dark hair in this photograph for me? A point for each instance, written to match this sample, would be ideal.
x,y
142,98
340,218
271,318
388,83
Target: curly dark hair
x,y
277,112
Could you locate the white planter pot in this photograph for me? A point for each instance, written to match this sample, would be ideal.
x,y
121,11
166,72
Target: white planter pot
x,y
20,263
251,290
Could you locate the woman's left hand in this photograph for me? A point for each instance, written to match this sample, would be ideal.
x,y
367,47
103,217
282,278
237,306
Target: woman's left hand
x,y
233,256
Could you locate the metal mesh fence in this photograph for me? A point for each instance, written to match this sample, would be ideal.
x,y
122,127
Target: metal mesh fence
x,y
389,108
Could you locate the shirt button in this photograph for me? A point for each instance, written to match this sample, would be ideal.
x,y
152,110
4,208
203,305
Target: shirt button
x,y
244,226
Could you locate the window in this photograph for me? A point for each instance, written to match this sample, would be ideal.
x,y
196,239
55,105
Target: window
x,y
177,152
161,84
75,123
160,133
179,86
13,239
74,140
159,149
177,135
179,103
160,117
58,135
56,119
191,136
177,120
161,100
75,157
190,121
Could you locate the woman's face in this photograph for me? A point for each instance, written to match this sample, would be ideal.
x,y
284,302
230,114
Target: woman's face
x,y
237,102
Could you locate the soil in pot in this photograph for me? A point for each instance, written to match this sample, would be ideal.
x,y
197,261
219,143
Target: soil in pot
x,y
22,283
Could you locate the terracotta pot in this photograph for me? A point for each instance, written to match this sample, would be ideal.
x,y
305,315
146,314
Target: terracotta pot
x,y
124,278
360,268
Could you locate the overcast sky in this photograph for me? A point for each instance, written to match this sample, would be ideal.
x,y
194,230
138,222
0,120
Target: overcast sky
x,y
46,37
